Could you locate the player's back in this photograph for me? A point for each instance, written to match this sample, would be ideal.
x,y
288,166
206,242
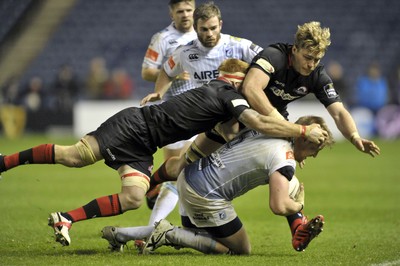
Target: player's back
x,y
239,166
192,112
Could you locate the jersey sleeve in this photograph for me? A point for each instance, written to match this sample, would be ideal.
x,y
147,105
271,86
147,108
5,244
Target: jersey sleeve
x,y
173,66
283,159
325,90
250,49
269,60
235,102
154,53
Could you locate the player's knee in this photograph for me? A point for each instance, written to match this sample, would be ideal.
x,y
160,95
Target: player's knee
x,y
130,201
245,249
86,155
134,187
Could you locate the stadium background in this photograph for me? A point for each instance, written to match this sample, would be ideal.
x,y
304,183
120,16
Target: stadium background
x,y
75,31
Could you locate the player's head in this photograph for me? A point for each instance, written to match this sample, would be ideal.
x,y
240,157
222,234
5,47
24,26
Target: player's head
x,y
233,70
207,24
310,44
181,12
304,148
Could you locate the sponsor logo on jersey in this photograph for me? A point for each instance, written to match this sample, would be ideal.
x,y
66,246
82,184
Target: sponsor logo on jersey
x,y
172,42
264,64
281,93
330,91
151,54
238,102
193,57
229,52
112,156
171,62
301,90
206,75
200,216
289,155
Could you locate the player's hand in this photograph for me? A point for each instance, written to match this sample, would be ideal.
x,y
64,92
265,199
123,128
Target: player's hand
x,y
183,76
366,146
152,97
300,195
315,133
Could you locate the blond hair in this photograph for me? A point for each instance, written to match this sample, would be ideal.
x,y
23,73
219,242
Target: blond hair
x,y
308,120
312,37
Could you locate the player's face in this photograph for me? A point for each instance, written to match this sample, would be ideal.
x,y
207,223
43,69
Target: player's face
x,y
209,31
304,149
182,15
304,61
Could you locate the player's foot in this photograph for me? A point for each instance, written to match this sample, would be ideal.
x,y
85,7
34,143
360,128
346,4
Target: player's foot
x,y
306,232
151,196
110,234
61,226
157,237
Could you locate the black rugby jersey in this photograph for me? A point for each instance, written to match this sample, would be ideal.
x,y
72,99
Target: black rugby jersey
x,y
193,112
287,85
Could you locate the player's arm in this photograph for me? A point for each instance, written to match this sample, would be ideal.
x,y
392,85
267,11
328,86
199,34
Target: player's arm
x,y
280,202
150,74
348,128
253,90
163,82
281,128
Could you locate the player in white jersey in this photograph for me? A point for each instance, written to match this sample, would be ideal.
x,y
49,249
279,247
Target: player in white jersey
x,y
208,186
200,59
162,44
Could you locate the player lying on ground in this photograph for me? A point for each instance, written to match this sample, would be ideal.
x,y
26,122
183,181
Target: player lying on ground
x,y
207,187
128,140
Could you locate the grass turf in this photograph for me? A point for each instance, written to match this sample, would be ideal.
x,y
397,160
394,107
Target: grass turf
x,y
357,195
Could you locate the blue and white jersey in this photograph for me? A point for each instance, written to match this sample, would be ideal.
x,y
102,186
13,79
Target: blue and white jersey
x,y
202,62
161,46
239,166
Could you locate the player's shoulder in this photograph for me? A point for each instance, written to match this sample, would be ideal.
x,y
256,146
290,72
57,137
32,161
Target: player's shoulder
x,y
166,33
233,39
188,47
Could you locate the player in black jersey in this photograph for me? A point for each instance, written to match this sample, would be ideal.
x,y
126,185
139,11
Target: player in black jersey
x,y
283,73
128,140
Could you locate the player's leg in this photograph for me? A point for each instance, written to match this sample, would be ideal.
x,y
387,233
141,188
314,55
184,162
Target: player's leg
x,y
166,233
83,153
238,242
117,237
134,187
200,147
165,202
171,150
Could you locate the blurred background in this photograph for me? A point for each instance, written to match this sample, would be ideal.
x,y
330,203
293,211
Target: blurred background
x,y
50,52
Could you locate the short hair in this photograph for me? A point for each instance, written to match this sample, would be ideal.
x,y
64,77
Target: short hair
x,y
233,65
312,37
308,120
174,2
206,11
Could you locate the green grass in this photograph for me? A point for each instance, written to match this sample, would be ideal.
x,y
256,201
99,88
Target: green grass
x,y
359,197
